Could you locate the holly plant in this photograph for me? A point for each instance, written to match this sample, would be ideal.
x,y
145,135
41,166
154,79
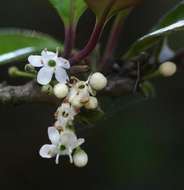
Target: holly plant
x,y
70,78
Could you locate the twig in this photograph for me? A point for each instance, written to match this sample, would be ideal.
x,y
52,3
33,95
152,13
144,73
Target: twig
x,y
27,93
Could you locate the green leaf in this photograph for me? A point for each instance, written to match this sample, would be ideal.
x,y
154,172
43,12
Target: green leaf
x,y
148,89
17,44
109,7
172,22
89,116
69,10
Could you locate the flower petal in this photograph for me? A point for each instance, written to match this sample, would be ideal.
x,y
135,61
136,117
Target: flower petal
x,y
54,135
63,63
45,75
48,151
68,138
61,75
35,60
79,142
46,54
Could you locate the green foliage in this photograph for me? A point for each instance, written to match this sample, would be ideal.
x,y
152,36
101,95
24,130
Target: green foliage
x,y
89,117
172,22
69,10
109,7
148,89
17,44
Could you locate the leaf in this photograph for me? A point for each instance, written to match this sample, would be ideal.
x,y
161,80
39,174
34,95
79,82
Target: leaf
x,y
172,22
109,7
89,116
148,89
17,44
69,9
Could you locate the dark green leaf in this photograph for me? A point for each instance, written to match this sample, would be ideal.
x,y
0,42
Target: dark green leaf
x,y
172,22
148,89
89,116
17,44
69,9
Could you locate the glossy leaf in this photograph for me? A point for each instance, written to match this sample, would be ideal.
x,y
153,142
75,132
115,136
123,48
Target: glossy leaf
x,y
172,22
69,9
17,44
109,7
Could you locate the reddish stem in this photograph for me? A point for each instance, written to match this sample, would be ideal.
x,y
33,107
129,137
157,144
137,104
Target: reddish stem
x,y
113,39
69,40
90,45
94,37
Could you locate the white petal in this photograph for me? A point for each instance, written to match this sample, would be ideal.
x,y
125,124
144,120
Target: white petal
x,y
68,138
61,75
35,60
47,56
54,135
46,53
63,63
47,151
79,142
45,75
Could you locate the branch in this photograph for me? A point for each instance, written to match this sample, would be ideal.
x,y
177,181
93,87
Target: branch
x,y
31,92
27,93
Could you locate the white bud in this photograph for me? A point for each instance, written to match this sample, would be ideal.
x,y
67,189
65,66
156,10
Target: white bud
x,y
60,90
80,158
76,102
98,81
92,103
167,69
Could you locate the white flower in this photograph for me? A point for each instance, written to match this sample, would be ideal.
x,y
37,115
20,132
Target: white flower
x,y
65,115
50,64
62,144
79,94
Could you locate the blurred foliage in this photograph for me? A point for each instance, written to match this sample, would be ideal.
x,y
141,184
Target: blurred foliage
x,y
172,22
18,44
69,10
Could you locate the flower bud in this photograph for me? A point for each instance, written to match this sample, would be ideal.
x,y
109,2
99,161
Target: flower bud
x,y
47,89
76,102
12,71
60,90
80,158
167,69
98,81
29,68
92,103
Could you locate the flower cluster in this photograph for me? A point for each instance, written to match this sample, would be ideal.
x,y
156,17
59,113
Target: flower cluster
x,y
74,94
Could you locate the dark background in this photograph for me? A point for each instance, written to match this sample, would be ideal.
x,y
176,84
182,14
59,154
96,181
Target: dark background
x,y
138,146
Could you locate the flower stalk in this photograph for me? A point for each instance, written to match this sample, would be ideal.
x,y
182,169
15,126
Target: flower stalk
x,y
15,72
